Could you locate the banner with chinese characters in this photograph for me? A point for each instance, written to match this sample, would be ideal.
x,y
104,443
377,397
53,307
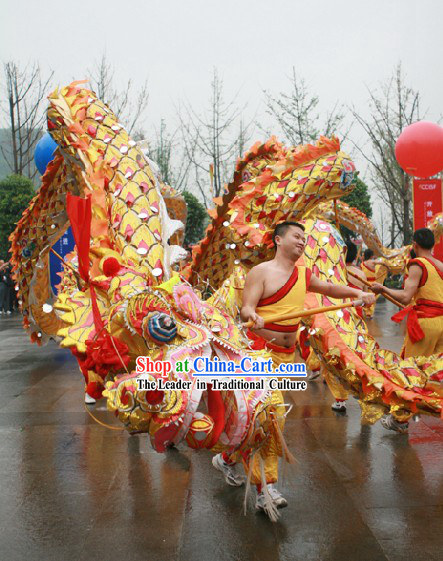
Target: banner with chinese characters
x,y
428,201
63,246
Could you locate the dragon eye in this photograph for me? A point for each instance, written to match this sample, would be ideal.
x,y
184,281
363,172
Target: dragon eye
x,y
161,328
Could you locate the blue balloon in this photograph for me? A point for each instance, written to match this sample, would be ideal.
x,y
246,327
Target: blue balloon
x,y
44,152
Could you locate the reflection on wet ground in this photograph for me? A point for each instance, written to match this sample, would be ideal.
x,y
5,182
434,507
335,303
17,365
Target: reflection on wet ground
x,y
74,490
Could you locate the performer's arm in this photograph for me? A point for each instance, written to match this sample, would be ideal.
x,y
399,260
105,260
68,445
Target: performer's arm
x,y
339,291
252,293
405,295
359,274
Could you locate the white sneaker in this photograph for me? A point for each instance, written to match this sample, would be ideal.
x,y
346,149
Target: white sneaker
x,y
388,422
89,400
230,475
270,502
339,406
277,497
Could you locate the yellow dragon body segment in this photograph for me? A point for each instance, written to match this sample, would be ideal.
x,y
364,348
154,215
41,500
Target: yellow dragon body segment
x,y
95,158
380,379
287,185
357,221
145,309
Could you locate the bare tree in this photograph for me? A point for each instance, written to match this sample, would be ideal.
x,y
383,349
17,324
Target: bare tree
x,y
127,106
243,137
393,107
23,115
298,116
209,140
168,155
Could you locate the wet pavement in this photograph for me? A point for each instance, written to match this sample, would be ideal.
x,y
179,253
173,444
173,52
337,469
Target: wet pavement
x,y
73,490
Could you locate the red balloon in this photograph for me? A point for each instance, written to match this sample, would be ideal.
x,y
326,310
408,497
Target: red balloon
x,y
419,149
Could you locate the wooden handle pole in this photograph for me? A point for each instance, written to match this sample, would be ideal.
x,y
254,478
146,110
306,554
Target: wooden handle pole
x,y
337,223
368,284
306,313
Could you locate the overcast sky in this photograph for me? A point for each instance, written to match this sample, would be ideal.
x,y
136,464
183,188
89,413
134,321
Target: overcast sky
x,y
340,47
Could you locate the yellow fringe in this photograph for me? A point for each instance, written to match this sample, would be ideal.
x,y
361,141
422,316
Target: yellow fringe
x,y
270,508
287,454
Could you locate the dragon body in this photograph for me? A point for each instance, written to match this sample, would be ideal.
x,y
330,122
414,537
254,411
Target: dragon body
x,y
129,302
357,221
278,184
379,378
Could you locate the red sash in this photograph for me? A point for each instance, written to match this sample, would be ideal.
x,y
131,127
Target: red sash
x,y
422,309
261,343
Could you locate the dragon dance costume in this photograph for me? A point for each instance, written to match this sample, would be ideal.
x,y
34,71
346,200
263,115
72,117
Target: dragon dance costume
x,y
340,393
289,298
119,297
424,336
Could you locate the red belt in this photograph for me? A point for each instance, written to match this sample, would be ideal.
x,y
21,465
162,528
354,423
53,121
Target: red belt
x,y
261,343
281,328
422,309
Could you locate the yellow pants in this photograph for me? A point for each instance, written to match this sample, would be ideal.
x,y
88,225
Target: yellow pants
x,y
335,387
431,344
272,450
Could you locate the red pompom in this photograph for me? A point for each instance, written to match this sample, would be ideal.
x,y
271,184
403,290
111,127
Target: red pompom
x,y
111,266
101,356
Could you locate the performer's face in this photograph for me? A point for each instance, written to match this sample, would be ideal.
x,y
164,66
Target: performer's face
x,y
292,243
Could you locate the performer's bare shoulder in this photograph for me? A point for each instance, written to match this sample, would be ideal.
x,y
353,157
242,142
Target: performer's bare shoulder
x,y
437,263
258,273
270,275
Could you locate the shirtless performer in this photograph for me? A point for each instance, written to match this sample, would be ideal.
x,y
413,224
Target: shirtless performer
x,y
274,288
424,286
266,295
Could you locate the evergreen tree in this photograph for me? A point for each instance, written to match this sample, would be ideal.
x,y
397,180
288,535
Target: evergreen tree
x,y
15,193
196,221
359,198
